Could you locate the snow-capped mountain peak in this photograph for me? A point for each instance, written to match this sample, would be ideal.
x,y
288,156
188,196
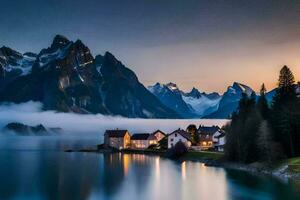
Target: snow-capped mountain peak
x,y
240,88
59,41
14,63
191,104
172,86
194,93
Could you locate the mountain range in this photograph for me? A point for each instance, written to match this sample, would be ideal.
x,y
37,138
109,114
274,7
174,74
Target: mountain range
x,y
198,104
192,104
66,77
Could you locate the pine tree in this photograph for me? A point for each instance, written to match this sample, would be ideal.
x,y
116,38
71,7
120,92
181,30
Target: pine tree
x,y
283,107
262,104
241,134
192,130
286,80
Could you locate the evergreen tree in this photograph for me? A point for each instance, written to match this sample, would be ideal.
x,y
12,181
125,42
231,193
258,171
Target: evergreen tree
x,y
192,130
286,81
269,150
283,107
241,134
262,104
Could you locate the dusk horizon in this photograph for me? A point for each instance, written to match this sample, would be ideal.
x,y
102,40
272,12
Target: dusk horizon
x,y
248,42
150,99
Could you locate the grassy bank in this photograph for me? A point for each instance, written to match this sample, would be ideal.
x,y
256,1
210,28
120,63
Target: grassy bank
x,y
202,156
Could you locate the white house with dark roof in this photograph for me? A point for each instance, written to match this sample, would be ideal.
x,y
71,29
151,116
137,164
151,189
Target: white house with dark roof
x,y
219,146
142,140
179,135
118,139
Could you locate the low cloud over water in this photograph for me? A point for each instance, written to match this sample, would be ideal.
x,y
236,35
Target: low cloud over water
x,y
31,113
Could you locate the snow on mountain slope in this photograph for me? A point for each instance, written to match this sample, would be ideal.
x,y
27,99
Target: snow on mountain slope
x,y
193,103
230,100
202,105
67,78
13,62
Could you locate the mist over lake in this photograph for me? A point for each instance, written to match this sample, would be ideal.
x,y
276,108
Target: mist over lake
x,y
31,113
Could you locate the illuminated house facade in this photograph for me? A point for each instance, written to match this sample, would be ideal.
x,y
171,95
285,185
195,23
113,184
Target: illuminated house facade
x,y
142,140
118,139
159,135
208,136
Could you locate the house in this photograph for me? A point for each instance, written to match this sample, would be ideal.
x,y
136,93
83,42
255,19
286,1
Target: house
x,y
118,139
219,146
159,135
208,136
179,135
142,140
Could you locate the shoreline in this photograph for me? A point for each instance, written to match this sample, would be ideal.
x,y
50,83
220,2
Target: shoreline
x,y
211,159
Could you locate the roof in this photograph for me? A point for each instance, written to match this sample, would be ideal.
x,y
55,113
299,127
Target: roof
x,y
221,135
183,133
208,129
158,131
116,133
142,136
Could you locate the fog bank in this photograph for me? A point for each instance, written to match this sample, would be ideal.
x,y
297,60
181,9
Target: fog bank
x,y
31,113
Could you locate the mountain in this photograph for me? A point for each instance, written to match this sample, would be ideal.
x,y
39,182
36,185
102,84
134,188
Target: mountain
x,y
171,96
66,77
202,103
270,95
23,129
190,105
230,100
14,64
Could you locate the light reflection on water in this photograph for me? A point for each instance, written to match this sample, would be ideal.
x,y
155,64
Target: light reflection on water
x,y
54,174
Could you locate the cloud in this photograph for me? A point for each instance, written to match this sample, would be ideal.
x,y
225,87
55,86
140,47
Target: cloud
x,y
31,113
79,130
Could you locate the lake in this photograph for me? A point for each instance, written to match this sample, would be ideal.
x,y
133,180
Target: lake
x,y
37,168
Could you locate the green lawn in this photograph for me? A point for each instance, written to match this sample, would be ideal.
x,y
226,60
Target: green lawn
x,y
203,155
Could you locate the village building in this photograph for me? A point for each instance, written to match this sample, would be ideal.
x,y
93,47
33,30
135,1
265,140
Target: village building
x,y
219,146
179,135
159,135
118,139
142,140
208,136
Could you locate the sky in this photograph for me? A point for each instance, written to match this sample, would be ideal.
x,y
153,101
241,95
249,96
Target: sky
x,y
194,43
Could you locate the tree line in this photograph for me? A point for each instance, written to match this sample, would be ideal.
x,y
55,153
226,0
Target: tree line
x,y
260,131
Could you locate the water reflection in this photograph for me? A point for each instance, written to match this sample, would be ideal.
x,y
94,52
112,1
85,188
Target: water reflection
x,y
183,170
41,174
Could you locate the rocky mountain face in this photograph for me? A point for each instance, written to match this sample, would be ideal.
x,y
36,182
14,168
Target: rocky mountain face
x,y
14,64
193,104
66,77
230,100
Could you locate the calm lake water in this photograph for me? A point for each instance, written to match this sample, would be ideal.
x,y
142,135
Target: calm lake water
x,y
37,168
